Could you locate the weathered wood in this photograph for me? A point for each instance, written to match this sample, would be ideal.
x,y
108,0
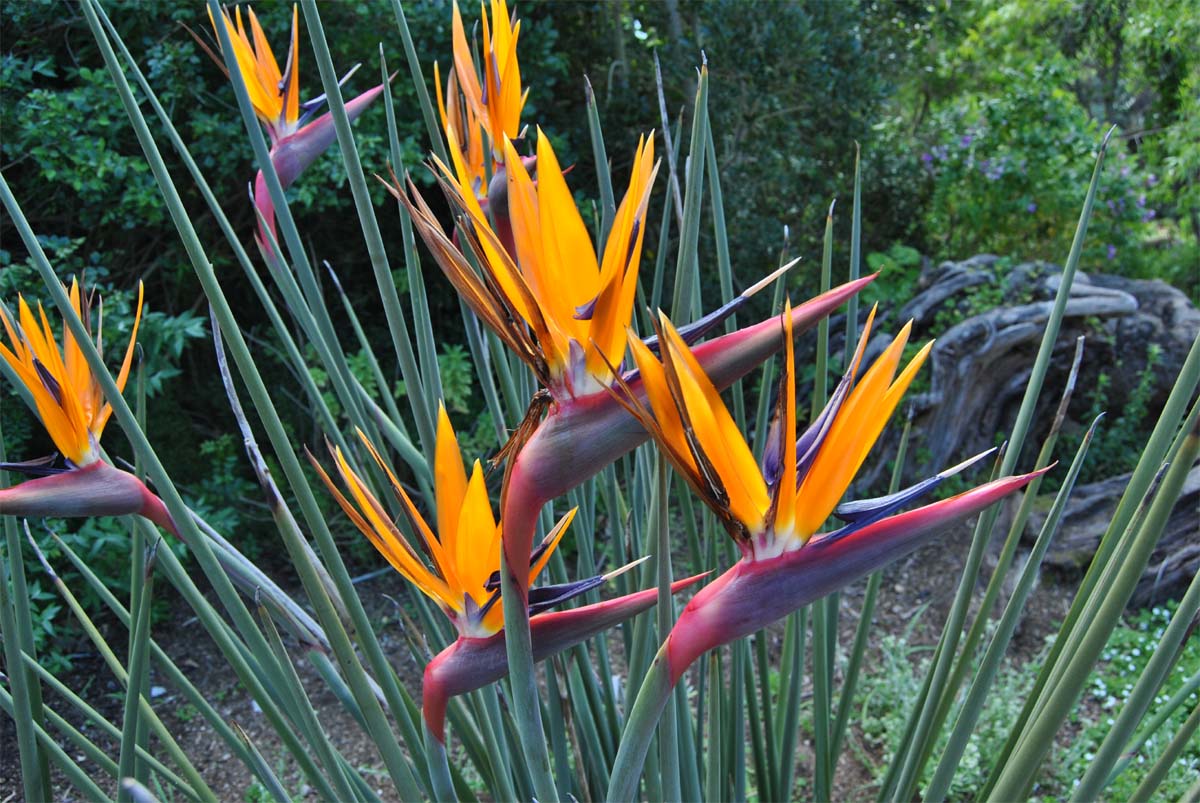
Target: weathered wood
x,y
979,368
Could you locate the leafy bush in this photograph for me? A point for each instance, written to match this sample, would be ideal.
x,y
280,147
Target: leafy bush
x,y
1005,171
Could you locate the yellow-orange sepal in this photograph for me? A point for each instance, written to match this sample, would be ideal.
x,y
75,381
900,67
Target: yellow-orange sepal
x,y
275,95
67,396
462,556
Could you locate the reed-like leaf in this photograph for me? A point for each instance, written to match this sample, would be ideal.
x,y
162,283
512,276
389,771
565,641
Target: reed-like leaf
x,y
855,263
139,664
262,768
1165,655
123,414
1154,723
989,665
16,631
396,319
418,79
608,203
668,736
1018,773
1140,481
714,783
96,720
1183,737
685,303
916,749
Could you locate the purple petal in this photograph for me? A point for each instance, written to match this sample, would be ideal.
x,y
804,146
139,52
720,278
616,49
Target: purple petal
x,y
292,154
584,312
38,467
699,328
753,594
808,444
860,513
471,663
544,598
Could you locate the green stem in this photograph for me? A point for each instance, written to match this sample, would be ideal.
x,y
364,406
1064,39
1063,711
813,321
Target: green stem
x,y
1164,712
16,631
1152,677
989,665
523,675
95,720
69,768
919,747
862,632
139,637
714,775
394,313
279,439
1143,476
439,766
685,304
668,737
652,698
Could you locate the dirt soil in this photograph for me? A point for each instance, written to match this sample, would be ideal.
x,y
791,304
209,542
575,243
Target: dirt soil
x,y
925,581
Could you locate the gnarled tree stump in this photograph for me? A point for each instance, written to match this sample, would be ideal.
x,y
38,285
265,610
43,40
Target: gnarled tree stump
x,y
979,368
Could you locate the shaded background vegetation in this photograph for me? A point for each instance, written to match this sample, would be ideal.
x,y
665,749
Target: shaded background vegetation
x,y
978,123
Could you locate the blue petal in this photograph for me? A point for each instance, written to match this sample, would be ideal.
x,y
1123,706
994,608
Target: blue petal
x,y
546,597
808,444
868,511
584,312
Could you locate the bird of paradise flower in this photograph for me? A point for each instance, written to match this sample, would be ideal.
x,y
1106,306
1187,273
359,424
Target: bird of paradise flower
x,y
461,573
773,512
296,138
71,405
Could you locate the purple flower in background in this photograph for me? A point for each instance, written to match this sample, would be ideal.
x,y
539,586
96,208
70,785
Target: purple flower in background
x,y
1141,201
1148,215
1031,207
927,158
966,141
1125,171
1112,251
940,152
1151,180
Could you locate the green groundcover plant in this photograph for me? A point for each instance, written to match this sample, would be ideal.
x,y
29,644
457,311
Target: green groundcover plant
x,y
584,627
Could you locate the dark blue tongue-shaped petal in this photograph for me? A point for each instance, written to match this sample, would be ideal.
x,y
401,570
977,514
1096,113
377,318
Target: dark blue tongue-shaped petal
x,y
308,108
772,459
546,597
584,312
493,581
38,467
860,513
699,328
